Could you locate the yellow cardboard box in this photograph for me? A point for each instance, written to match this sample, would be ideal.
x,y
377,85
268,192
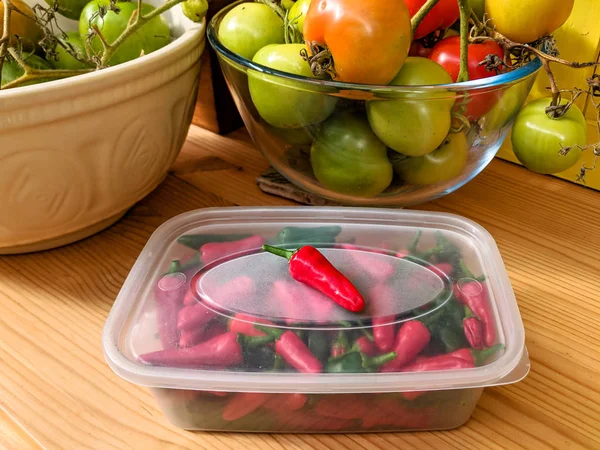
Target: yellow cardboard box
x,y
578,40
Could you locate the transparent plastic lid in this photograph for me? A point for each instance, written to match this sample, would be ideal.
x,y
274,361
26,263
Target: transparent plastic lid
x,y
260,284
206,307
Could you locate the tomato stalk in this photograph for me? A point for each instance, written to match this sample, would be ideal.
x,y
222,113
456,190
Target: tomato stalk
x,y
465,13
138,22
36,74
418,17
8,7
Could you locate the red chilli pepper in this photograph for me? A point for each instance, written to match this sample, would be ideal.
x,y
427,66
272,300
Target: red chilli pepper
x,y
286,402
191,337
340,345
170,290
464,358
286,293
475,295
411,339
222,351
189,299
342,406
293,350
190,318
239,287
215,250
376,267
442,269
244,324
413,395
383,331
473,330
309,266
242,404
364,345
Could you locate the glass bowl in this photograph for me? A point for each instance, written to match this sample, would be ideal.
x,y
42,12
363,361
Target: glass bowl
x,y
363,145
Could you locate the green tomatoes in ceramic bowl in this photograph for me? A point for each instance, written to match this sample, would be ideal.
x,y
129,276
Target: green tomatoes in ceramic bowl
x,y
150,37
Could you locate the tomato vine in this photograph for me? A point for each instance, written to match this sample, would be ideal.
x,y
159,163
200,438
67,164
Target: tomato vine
x,y
45,18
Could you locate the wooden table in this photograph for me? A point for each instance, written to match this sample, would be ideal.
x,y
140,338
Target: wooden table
x,y
56,390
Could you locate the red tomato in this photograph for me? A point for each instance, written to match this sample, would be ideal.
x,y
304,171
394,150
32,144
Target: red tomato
x,y
442,16
447,54
368,39
418,49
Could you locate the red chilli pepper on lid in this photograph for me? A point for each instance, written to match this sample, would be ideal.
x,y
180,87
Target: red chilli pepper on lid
x,y
411,339
473,330
221,351
309,266
242,404
170,290
474,294
215,250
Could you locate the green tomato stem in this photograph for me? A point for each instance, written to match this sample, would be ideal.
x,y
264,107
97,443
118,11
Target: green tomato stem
x,y
139,21
5,39
465,13
418,18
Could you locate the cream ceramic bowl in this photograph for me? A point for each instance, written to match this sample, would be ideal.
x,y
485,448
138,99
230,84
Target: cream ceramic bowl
x,y
76,154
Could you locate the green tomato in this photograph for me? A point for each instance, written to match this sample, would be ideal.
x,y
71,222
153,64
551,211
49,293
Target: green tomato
x,y
64,60
11,70
249,27
149,38
69,8
537,139
348,158
297,14
506,109
195,10
283,103
414,127
295,136
478,7
443,164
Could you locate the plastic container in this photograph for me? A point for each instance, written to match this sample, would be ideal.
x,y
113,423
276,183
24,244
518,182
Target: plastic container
x,y
236,387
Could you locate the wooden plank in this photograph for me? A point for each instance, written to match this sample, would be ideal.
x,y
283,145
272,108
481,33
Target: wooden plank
x,y
56,388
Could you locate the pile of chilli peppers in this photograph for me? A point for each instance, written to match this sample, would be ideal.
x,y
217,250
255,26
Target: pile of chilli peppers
x,y
461,334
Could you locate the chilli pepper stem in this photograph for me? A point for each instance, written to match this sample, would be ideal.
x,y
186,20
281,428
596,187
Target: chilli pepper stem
x,y
175,266
287,254
481,356
254,341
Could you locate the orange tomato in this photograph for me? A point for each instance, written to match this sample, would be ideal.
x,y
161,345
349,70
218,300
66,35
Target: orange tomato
x,y
22,25
369,40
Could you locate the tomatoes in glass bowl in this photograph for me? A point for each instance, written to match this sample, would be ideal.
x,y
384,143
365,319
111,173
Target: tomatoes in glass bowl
x,y
395,143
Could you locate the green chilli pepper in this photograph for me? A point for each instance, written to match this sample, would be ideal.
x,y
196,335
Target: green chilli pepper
x,y
318,343
355,362
301,235
196,241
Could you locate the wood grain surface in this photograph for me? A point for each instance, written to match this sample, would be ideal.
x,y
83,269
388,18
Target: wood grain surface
x,y
57,392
